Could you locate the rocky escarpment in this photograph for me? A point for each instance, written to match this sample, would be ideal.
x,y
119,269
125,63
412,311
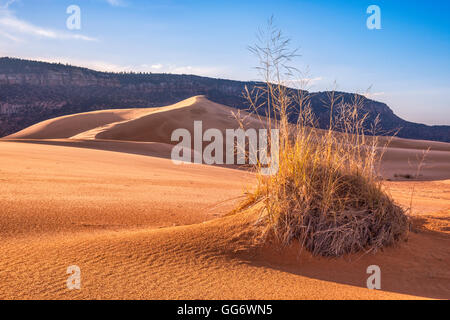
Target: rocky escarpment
x,y
32,91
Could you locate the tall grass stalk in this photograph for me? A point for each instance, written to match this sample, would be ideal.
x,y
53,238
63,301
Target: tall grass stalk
x,y
327,193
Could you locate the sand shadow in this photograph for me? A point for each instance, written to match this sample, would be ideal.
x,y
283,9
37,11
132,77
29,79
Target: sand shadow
x,y
418,267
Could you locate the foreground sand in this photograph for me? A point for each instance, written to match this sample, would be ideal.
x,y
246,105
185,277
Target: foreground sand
x,y
134,225
140,227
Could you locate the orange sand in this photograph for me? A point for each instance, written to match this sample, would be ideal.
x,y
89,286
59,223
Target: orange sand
x,y
106,198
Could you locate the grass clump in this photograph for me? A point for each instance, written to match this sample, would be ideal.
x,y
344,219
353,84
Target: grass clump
x,y
326,194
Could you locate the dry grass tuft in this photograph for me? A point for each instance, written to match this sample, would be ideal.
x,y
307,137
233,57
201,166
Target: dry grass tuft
x,y
327,193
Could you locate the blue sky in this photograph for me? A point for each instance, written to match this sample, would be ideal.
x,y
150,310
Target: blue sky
x,y
406,63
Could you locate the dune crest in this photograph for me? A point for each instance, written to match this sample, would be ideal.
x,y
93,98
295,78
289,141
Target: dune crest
x,y
144,125
158,125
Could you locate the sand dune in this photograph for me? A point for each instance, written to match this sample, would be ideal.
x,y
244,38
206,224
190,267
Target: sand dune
x,y
145,125
98,190
416,164
67,126
113,215
128,130
158,125
153,149
402,143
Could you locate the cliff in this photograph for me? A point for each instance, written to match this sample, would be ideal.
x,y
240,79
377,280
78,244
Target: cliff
x,y
32,91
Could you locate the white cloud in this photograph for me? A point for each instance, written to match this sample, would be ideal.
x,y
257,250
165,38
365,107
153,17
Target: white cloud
x,y
116,3
312,80
171,68
11,26
90,64
373,95
156,66
7,4
106,66
198,70
9,36
303,83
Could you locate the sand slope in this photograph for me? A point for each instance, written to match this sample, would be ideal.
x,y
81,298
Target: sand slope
x,y
53,189
148,125
148,131
67,126
158,125
97,190
105,214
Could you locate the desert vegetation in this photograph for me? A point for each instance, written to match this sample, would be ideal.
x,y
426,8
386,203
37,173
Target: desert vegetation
x,y
327,193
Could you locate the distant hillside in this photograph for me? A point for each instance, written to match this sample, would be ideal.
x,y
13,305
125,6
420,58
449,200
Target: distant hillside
x,y
32,91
